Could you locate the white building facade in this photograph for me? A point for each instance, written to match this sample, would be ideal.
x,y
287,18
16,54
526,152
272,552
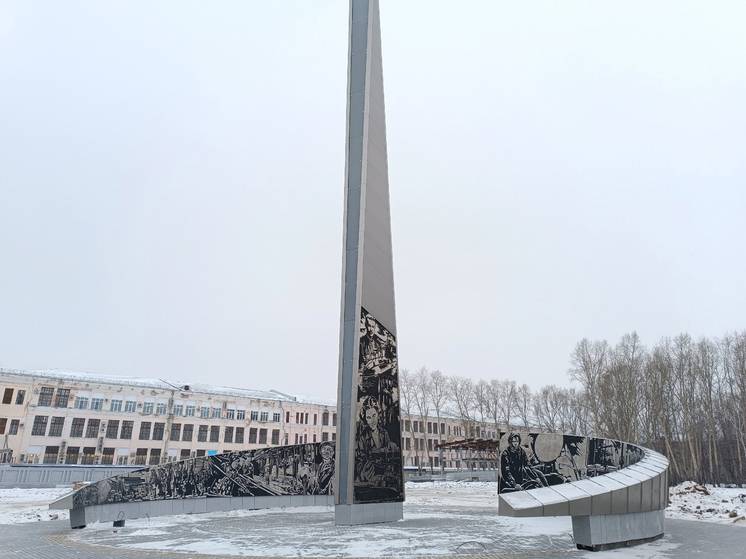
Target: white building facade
x,y
57,417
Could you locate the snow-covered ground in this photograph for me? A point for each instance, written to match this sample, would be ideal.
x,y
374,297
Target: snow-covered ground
x,y
440,518
19,505
691,501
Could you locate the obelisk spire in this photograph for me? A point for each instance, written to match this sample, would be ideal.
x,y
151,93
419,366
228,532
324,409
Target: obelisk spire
x,y
370,484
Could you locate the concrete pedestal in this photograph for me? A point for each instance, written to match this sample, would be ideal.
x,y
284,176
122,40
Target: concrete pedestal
x,y
372,513
608,531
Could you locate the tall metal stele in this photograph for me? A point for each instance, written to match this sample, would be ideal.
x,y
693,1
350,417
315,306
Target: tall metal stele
x,y
369,480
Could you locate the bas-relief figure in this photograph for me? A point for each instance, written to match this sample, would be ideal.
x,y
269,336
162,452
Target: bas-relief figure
x,y
378,466
533,460
306,469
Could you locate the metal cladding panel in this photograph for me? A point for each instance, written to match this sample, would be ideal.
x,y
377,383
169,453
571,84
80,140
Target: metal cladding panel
x,y
378,272
370,461
554,503
520,503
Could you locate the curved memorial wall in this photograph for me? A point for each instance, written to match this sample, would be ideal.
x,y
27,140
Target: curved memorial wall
x,y
291,475
615,491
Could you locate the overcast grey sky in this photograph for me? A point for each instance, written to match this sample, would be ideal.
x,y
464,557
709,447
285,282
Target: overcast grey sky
x,y
171,182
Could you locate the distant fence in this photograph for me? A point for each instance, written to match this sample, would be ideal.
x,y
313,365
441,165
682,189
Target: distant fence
x,y
28,475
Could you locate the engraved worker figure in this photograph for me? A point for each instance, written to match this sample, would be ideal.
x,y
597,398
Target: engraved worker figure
x,y
373,446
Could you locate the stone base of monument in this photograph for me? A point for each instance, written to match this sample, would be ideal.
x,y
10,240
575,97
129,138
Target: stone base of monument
x,y
372,513
597,533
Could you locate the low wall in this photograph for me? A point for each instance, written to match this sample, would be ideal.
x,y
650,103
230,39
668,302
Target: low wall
x,y
51,476
80,517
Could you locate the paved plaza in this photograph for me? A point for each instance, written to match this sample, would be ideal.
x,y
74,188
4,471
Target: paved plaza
x,y
458,521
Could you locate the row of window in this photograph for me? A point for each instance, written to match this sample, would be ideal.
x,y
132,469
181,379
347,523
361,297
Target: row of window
x,y
48,398
89,429
303,418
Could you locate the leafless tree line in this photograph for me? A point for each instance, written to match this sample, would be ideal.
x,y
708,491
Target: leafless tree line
x,y
683,397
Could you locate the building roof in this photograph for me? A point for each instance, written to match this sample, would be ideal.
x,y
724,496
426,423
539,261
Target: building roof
x,y
160,384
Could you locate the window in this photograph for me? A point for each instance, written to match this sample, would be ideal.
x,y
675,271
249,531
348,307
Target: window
x,y
179,410
406,425
55,427
116,405
62,398
155,456
276,436
91,431
241,414
228,435
254,415
140,456
20,396
175,431
147,408
286,439
40,425
71,455
89,455
145,430
314,438
334,436
230,414
160,408
112,428
276,417
252,436
442,428
130,406
50,454
13,430
190,411
216,413
306,421
107,457
314,419
429,427
334,420
45,396
204,412
81,403
202,434
429,444
127,427
325,418
415,426
8,396
264,416
239,435
184,453
158,429
262,436
200,452
296,438
407,444
215,434
324,437
188,431
97,403
3,423
76,429
287,417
